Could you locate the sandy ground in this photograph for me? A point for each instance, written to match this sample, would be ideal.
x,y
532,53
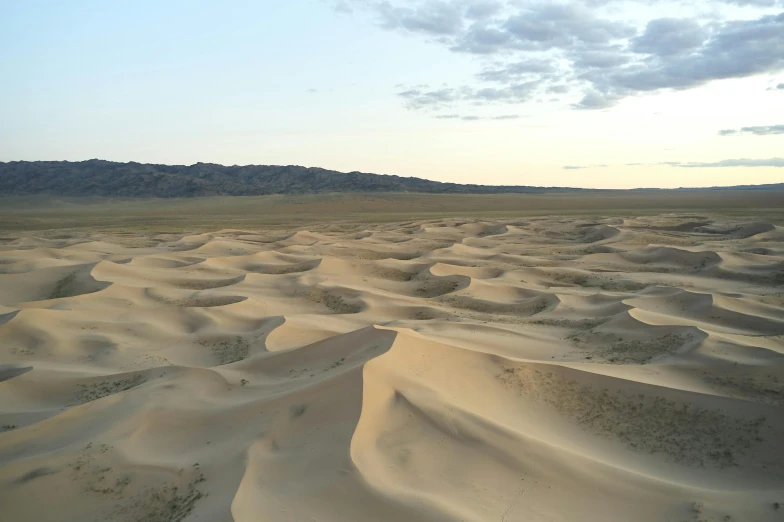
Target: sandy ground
x,y
538,369
34,213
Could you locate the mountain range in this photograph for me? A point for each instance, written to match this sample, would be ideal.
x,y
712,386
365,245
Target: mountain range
x,y
112,179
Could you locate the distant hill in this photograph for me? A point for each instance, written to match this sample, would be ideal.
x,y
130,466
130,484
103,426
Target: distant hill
x,y
112,179
107,178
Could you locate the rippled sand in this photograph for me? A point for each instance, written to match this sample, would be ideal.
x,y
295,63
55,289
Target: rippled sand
x,y
547,369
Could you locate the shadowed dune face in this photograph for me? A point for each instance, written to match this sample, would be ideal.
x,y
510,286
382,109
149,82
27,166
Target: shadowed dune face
x,y
551,369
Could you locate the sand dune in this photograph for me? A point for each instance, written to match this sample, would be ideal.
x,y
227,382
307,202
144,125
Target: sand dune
x,y
547,369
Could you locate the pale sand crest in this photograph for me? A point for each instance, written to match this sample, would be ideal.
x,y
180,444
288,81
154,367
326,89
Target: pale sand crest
x,y
546,369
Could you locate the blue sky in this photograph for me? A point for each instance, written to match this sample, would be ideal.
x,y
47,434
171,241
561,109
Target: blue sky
x,y
582,92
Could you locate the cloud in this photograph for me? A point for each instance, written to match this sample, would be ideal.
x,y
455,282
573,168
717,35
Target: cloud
x,y
756,3
480,10
514,71
599,59
585,46
595,100
558,89
743,162
475,118
342,7
736,49
546,26
758,131
416,98
601,48
669,36
447,97
432,18
578,167
482,39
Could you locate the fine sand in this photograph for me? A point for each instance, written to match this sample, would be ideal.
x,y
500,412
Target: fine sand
x,y
529,369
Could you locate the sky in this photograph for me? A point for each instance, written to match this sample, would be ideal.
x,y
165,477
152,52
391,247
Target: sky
x,y
583,93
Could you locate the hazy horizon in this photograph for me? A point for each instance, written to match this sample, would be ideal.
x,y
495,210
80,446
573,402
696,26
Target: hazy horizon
x,y
590,94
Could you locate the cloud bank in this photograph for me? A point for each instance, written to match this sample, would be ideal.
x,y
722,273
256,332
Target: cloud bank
x,y
742,162
764,130
598,51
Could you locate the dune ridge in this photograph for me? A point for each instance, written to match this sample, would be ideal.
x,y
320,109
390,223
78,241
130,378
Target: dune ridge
x,y
546,369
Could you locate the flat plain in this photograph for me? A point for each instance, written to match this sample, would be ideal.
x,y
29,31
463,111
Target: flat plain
x,y
593,357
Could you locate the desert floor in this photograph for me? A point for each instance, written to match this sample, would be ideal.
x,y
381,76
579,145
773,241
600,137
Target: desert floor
x,y
502,369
